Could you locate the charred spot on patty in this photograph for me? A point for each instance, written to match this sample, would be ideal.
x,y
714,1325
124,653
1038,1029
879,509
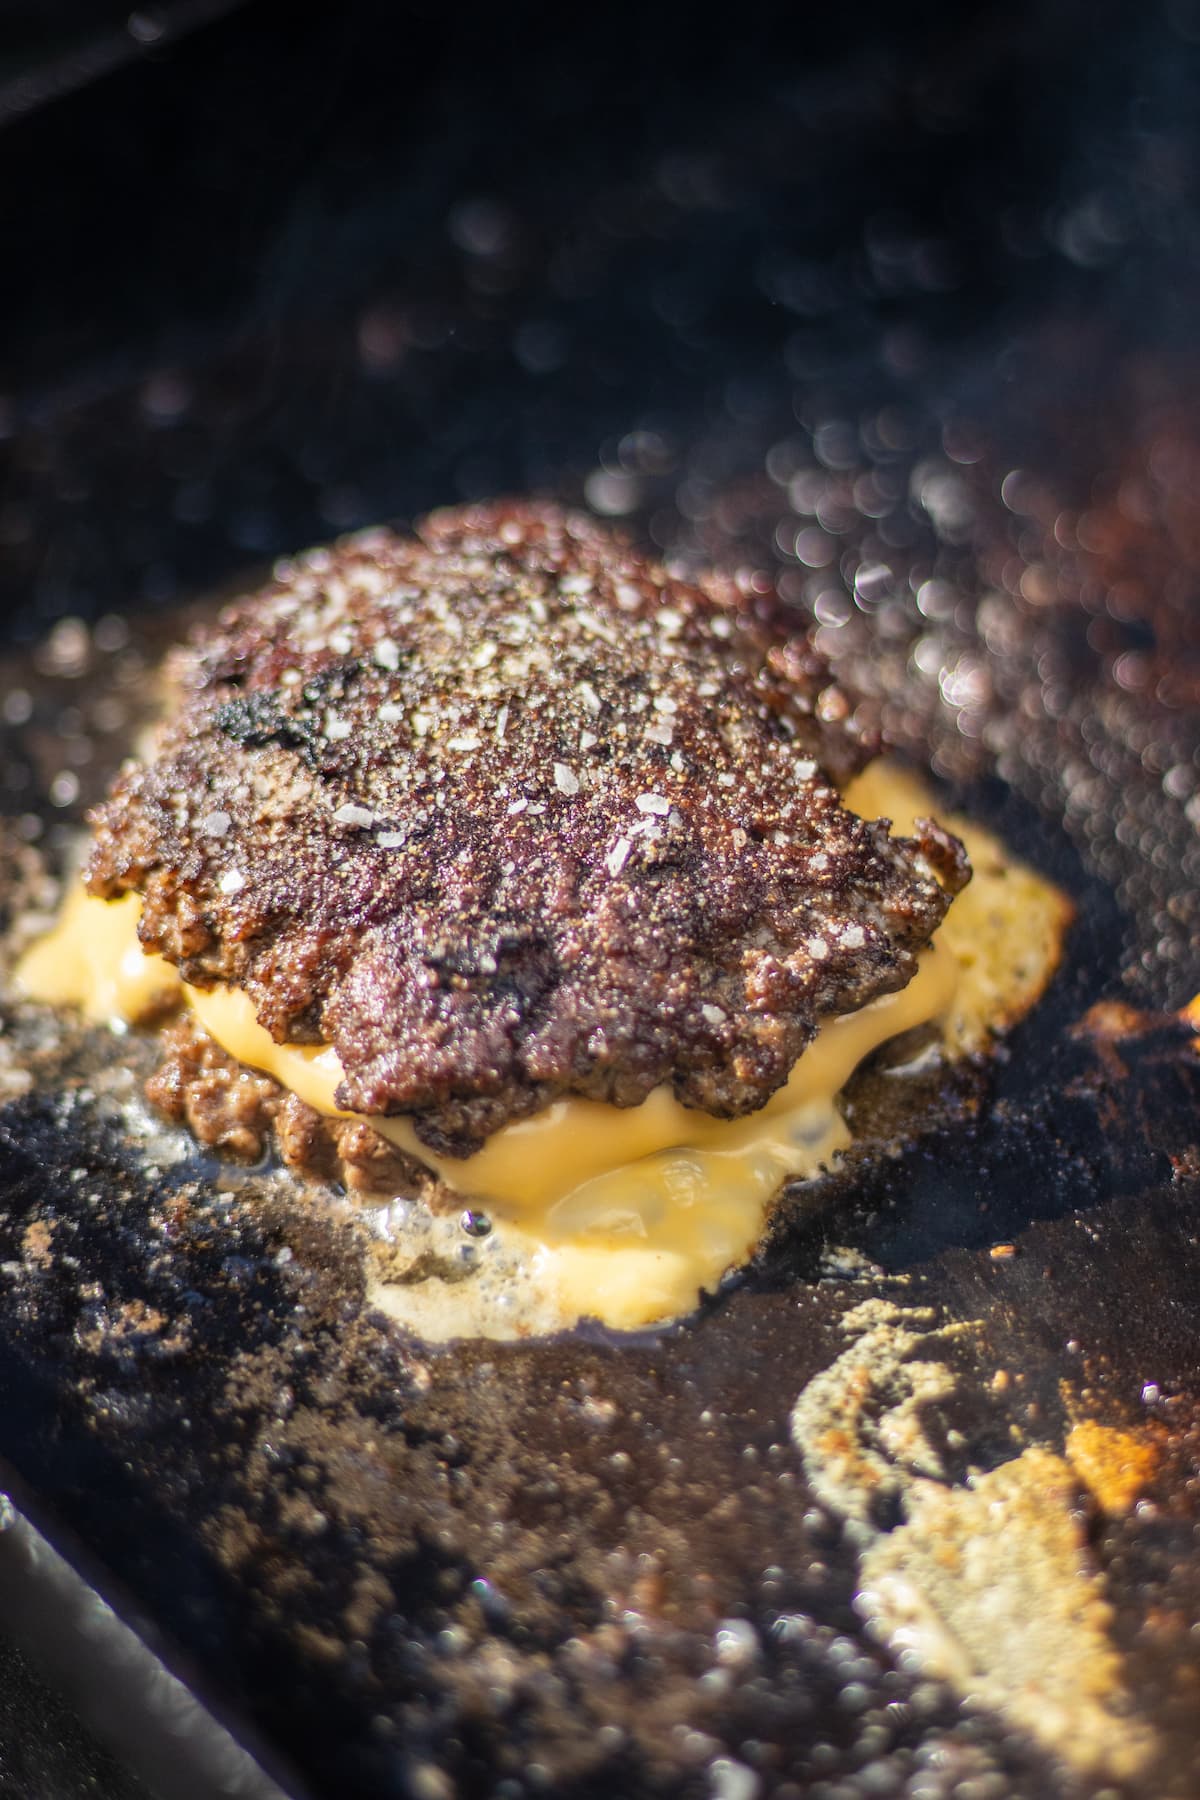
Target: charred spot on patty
x,y
506,812
255,720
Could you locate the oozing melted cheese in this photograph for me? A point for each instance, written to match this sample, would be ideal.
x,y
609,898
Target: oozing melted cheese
x,y
624,1214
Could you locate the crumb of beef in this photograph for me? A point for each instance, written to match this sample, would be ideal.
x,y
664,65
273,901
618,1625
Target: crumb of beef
x,y
506,812
230,1108
225,1106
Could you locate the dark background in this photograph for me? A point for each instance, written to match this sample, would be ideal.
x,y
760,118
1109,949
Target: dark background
x,y
302,267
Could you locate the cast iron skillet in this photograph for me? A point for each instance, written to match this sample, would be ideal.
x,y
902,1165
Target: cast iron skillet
x,y
898,313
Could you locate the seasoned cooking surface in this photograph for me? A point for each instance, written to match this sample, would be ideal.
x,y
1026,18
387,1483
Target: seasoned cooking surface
x,y
911,331
604,1556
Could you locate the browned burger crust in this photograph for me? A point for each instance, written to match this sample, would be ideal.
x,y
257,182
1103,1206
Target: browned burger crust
x,y
233,1110
506,812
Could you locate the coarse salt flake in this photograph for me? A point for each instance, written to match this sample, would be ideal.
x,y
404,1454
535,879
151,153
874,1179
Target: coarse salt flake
x,y
804,770
215,824
389,840
853,937
336,728
389,713
618,856
466,740
518,806
818,949
386,654
596,628
232,881
714,1015
369,580
589,696
565,779
653,803
350,814
587,739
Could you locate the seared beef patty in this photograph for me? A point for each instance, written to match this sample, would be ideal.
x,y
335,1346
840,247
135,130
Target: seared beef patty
x,y
505,812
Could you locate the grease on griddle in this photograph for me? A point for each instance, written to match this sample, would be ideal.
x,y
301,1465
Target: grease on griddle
x,y
981,1576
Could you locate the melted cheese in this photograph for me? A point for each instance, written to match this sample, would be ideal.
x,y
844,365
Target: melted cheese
x,y
540,1164
93,960
621,1214
1005,930
624,1214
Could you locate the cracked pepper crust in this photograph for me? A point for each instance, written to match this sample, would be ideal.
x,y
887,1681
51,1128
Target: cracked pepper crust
x,y
506,812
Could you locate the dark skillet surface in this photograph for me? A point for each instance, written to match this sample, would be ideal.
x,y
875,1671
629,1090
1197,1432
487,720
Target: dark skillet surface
x,y
499,1570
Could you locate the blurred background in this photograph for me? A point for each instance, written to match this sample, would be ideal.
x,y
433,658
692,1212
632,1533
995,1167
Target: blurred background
x,y
898,303
274,272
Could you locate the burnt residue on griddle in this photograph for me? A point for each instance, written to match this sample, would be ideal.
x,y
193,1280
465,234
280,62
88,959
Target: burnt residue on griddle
x,y
593,1555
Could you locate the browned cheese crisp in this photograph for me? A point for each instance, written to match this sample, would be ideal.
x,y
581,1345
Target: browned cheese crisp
x,y
506,812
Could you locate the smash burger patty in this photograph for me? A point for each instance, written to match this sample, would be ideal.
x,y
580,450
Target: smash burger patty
x,y
504,813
